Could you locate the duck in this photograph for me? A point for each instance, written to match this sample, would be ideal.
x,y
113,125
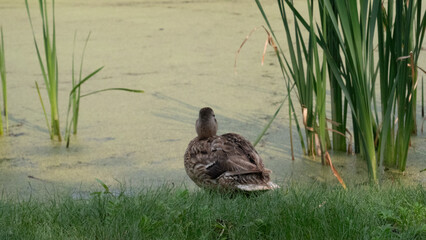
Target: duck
x,y
227,162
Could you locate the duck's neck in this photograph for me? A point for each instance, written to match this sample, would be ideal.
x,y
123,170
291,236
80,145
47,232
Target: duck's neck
x,y
206,127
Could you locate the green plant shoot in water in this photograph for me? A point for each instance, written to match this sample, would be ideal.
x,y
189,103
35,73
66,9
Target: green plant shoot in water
x,y
75,93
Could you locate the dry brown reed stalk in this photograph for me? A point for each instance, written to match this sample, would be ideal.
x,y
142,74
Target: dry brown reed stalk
x,y
269,41
336,174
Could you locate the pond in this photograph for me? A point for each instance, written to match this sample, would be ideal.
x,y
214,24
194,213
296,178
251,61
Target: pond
x,y
182,54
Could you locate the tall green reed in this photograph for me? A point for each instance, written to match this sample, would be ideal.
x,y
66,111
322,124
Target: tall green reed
x,y
3,84
400,37
303,77
398,88
357,77
49,68
347,38
339,104
309,81
304,67
423,105
423,99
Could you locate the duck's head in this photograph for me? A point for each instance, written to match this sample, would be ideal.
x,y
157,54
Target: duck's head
x,y
206,125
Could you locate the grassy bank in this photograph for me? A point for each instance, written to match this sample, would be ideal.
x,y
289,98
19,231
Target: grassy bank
x,y
297,212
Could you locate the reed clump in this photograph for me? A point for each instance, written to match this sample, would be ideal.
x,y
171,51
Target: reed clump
x,y
347,40
49,69
400,35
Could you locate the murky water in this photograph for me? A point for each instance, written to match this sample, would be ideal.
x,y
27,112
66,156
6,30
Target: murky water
x,y
182,54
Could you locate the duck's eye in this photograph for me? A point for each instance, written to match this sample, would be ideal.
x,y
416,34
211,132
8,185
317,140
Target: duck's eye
x,y
214,115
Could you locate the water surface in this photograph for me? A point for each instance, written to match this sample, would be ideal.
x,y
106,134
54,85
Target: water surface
x,y
182,54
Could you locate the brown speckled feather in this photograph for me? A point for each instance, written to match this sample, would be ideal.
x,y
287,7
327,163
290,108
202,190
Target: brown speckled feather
x,y
226,161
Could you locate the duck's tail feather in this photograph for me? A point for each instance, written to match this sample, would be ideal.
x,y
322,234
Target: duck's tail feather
x,y
257,187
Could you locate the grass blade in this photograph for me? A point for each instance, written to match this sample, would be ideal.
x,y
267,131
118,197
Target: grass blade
x,y
85,79
113,89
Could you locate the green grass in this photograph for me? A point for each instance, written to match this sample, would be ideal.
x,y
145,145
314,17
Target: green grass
x,y
298,212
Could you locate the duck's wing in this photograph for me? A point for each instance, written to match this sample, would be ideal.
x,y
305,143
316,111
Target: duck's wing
x,y
237,145
234,155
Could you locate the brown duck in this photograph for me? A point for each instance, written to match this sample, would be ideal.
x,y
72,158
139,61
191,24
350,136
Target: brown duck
x,y
226,162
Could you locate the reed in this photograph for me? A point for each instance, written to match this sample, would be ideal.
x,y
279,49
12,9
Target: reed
x,y
302,76
355,29
320,79
49,68
354,71
357,77
310,83
74,96
309,80
78,96
400,36
75,93
423,99
339,104
423,105
3,84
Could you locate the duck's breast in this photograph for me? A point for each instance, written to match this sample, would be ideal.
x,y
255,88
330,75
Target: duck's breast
x,y
198,157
